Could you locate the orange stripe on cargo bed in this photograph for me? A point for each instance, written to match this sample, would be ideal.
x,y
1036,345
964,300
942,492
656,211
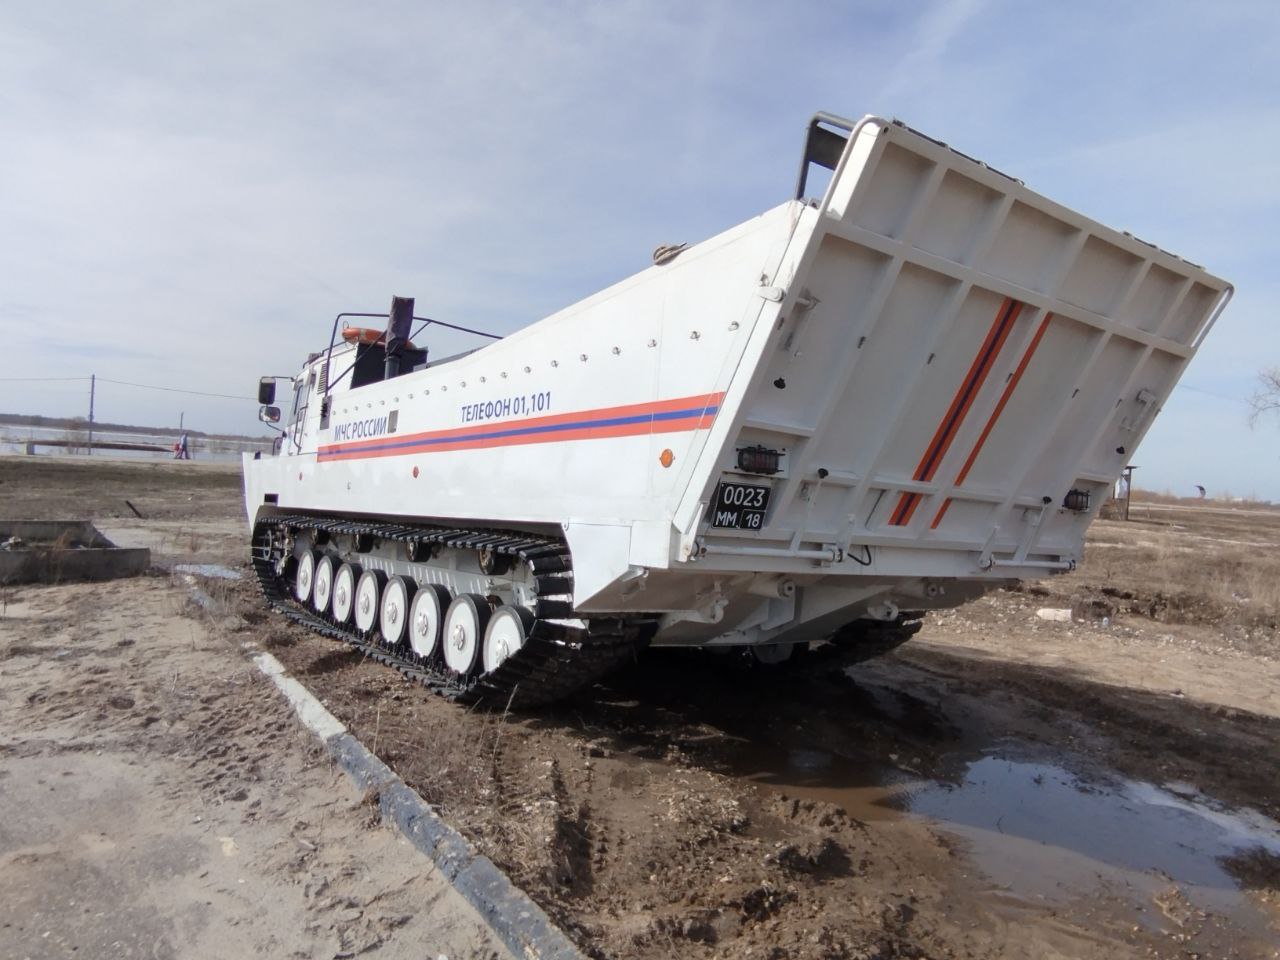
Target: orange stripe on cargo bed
x,y
995,414
960,406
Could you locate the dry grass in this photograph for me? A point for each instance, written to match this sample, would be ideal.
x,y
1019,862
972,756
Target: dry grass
x,y
1224,499
1193,561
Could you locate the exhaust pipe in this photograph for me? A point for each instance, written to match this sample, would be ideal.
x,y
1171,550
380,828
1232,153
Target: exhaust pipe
x,y
399,326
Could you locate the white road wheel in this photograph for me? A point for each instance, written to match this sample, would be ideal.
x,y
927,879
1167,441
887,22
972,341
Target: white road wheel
x,y
306,576
368,600
508,628
426,619
344,591
322,592
464,625
393,617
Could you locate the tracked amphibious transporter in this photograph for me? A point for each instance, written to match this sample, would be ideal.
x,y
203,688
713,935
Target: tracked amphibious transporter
x,y
809,428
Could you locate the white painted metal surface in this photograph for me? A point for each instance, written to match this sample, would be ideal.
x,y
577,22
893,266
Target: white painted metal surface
x,y
949,364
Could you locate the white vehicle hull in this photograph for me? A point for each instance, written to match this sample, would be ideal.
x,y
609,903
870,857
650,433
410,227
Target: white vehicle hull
x,y
952,370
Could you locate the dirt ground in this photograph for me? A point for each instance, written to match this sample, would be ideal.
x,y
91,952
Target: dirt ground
x,y
157,797
1015,781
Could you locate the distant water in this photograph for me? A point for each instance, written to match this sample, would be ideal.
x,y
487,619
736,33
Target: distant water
x,y
14,439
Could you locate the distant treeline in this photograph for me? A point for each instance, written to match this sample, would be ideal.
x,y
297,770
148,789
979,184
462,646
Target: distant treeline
x,y
80,423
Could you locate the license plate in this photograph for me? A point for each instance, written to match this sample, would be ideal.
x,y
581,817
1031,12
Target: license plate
x,y
740,505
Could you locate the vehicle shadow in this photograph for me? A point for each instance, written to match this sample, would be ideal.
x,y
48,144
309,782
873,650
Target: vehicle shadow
x,y
917,714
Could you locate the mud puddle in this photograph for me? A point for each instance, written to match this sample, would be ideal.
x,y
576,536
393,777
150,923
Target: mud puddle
x,y
864,789
1041,827
1042,834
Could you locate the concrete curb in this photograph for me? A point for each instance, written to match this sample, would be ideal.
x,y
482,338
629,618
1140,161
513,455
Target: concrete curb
x,y
508,911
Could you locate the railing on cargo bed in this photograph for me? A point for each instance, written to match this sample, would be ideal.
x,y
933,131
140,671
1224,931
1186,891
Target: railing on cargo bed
x,y
363,348
825,147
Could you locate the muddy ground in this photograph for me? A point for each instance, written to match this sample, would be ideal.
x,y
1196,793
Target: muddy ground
x,y
1009,783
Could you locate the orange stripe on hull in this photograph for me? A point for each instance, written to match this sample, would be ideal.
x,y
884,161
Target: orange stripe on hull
x,y
662,416
696,422
961,403
995,414
707,401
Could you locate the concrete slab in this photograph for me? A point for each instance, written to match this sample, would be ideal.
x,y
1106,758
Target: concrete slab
x,y
55,551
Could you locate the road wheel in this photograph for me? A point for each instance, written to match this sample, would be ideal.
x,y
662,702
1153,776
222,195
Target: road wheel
x,y
306,576
426,620
368,600
344,592
507,631
322,592
464,626
393,617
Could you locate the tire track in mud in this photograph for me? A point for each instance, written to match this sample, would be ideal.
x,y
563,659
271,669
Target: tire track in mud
x,y
145,763
672,811
673,801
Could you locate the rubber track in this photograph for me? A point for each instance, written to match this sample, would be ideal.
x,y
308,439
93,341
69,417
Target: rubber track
x,y
556,659
865,640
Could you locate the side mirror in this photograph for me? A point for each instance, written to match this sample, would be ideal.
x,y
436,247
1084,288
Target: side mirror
x,y
269,414
267,392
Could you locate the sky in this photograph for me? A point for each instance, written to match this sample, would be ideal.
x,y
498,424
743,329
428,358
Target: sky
x,y
190,192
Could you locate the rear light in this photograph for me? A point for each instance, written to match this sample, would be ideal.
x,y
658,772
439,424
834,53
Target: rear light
x,y
759,459
1077,500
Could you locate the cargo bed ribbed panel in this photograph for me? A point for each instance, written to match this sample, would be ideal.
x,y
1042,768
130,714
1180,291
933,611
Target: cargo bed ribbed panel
x,y
955,355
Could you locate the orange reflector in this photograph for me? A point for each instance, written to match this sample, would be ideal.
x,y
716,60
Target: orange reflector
x,y
667,457
415,473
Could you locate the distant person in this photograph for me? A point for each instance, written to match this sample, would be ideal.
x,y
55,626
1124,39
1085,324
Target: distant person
x,y
184,449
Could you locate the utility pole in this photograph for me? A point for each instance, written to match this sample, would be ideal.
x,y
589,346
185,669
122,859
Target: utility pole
x,y
93,383
1128,488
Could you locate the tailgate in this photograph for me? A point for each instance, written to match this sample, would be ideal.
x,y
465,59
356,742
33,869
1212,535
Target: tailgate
x,y
961,365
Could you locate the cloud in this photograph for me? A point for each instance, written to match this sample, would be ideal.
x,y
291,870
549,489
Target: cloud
x,y
191,192
923,66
